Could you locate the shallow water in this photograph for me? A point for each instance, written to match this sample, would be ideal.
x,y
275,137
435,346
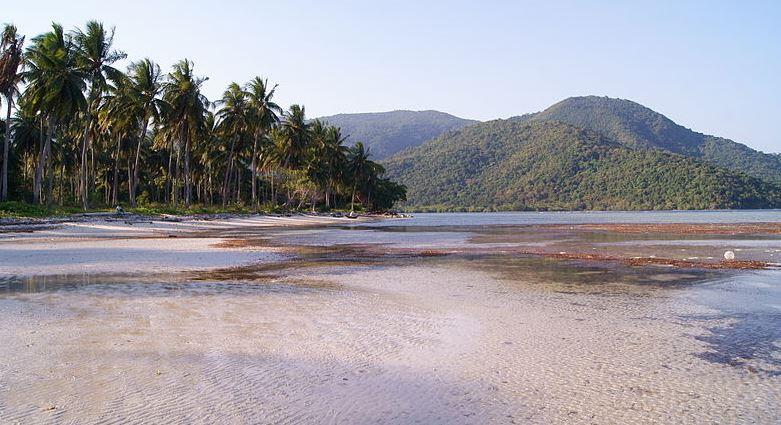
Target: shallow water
x,y
585,217
356,326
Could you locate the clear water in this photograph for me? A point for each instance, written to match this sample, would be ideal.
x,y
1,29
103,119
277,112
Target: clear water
x,y
584,217
257,338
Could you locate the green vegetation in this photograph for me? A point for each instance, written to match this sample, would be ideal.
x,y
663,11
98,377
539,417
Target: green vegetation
x,y
85,133
387,133
546,165
636,126
14,209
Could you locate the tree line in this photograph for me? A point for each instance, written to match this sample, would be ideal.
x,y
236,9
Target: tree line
x,y
78,130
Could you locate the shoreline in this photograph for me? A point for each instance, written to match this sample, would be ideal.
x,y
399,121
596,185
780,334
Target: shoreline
x,y
132,243
139,245
325,321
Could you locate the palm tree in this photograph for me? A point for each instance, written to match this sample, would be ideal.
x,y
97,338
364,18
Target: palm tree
x,y
327,158
209,155
55,88
117,122
265,115
95,57
359,168
274,157
333,155
143,101
234,117
80,123
295,137
11,61
186,112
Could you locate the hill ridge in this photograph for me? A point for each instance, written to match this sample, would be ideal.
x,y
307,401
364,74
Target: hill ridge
x,y
387,133
549,165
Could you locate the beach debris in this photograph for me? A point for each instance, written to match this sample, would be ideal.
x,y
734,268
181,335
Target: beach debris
x,y
729,255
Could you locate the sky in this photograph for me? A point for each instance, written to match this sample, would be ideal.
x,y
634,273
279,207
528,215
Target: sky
x,y
712,66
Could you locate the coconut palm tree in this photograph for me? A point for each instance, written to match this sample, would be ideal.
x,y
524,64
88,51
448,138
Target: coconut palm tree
x,y
95,57
273,157
27,136
117,121
295,137
56,83
209,154
143,91
333,156
359,169
186,112
265,115
11,61
234,120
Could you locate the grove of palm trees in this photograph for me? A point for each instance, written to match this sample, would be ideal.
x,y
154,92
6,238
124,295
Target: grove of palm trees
x,y
80,131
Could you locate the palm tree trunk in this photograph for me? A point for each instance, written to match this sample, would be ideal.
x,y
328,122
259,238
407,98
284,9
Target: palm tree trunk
x,y
136,168
238,184
227,172
187,170
209,188
175,181
62,184
45,147
49,179
84,190
129,174
352,201
168,177
254,170
328,195
273,188
115,183
6,142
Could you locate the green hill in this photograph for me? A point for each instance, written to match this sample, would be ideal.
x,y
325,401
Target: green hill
x,y
546,165
386,133
634,125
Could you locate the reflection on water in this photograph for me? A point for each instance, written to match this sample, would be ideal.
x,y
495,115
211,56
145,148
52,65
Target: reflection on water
x,y
582,217
44,283
744,325
149,285
583,276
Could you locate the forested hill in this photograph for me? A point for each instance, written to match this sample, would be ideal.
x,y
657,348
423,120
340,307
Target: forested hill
x,y
386,133
634,125
546,165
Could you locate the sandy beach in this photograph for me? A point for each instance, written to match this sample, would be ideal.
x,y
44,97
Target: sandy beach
x,y
135,245
257,320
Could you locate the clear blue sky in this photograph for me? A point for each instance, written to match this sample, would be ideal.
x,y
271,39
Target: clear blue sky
x,y
712,66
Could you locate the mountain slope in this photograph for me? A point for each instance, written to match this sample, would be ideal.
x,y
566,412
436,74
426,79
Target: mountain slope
x,y
634,125
386,133
519,164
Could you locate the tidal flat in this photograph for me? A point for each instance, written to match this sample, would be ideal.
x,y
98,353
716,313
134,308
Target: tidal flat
x,y
437,319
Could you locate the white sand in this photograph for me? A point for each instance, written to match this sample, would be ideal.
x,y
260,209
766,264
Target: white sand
x,y
134,247
437,343
397,345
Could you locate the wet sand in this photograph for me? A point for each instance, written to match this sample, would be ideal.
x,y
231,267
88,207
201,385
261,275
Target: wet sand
x,y
390,333
139,246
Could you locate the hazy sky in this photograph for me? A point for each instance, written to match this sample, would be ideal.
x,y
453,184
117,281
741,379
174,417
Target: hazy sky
x,y
712,66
